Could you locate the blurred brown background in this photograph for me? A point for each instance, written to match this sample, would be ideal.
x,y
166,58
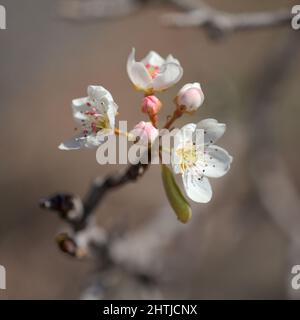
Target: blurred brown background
x,y
46,61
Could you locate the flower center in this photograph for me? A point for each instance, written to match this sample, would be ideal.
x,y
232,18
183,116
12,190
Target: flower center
x,y
94,122
191,156
153,70
188,156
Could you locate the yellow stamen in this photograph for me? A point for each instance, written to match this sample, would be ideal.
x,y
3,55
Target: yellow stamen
x,y
188,156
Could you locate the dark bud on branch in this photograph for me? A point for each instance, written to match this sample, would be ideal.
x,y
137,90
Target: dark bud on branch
x,y
68,206
69,246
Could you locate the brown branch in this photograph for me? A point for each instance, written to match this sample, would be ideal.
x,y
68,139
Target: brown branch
x,y
218,23
113,181
89,9
187,5
198,14
77,212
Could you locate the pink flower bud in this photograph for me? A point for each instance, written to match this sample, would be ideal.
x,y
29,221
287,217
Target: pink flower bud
x,y
151,105
190,96
145,132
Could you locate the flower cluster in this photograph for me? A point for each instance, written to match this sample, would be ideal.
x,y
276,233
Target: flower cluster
x,y
195,160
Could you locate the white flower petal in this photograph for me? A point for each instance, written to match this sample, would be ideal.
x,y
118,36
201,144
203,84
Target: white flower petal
x,y
185,134
184,88
139,76
93,141
98,92
176,160
170,58
187,86
138,73
100,98
169,74
107,105
213,130
216,162
111,115
90,141
189,127
72,144
154,59
196,186
176,165
79,107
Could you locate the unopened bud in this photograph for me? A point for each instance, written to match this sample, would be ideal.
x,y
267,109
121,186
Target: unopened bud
x,y
151,105
145,133
190,97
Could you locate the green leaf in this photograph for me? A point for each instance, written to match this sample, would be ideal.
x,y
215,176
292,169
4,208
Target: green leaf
x,y
176,198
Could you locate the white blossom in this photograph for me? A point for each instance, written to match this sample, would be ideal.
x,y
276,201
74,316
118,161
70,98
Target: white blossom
x,y
198,162
95,116
153,73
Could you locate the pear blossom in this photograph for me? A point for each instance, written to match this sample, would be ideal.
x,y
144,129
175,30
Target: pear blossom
x,y
190,96
144,132
198,162
153,73
95,115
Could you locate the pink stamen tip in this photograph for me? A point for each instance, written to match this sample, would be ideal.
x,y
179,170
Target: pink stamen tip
x,y
90,113
94,127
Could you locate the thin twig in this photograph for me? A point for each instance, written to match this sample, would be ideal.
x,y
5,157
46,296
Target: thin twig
x,y
187,5
101,187
219,23
77,212
92,9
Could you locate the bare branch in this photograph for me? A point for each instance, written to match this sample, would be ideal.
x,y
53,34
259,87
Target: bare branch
x,y
219,23
188,5
77,212
89,9
102,186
